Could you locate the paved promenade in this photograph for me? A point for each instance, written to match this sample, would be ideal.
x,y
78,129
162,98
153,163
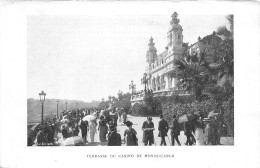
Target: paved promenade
x,y
137,125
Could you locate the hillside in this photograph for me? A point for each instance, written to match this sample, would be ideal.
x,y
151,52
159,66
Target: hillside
x,y
34,108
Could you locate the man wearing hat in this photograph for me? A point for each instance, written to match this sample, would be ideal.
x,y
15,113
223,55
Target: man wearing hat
x,y
148,128
175,131
114,138
130,135
163,129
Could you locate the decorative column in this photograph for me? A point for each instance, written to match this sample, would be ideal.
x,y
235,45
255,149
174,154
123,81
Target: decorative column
x,y
169,81
166,77
162,82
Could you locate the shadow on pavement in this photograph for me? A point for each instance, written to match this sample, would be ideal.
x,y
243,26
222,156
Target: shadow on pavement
x,y
96,144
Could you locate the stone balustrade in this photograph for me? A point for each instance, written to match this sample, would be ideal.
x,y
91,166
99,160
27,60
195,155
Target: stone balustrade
x,y
167,92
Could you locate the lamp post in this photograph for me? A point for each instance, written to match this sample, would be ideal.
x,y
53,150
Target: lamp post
x,y
66,105
144,81
57,108
42,99
132,86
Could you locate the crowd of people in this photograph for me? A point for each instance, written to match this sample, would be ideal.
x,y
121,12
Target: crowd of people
x,y
198,130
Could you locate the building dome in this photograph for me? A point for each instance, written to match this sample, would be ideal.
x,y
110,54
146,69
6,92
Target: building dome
x,y
174,24
152,48
175,27
151,45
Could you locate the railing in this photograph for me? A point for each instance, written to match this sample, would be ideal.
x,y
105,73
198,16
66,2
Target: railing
x,y
168,92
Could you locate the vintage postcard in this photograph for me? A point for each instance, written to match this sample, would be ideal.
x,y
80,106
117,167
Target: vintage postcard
x,y
107,83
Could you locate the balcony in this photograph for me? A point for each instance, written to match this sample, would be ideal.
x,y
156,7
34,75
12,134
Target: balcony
x,y
166,92
139,96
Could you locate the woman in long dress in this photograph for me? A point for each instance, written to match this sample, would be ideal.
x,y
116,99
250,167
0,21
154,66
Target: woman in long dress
x,y
102,127
92,130
120,112
124,115
199,133
130,135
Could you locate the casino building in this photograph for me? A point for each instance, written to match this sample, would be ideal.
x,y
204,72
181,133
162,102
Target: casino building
x,y
160,77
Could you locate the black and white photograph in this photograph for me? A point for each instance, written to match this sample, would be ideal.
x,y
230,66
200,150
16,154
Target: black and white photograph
x,y
130,80
129,84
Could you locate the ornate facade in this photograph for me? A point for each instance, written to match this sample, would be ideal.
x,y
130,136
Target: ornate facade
x,y
160,72
160,68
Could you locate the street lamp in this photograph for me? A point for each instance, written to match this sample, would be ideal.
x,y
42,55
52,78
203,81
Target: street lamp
x,y
132,86
42,99
66,105
57,108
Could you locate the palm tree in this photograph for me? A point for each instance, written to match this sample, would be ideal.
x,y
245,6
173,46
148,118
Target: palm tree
x,y
194,73
225,53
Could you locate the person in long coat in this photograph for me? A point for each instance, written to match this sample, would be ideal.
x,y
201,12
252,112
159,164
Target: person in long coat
x,y
84,129
207,131
175,131
200,137
163,128
220,122
92,130
102,127
124,115
40,139
187,125
64,132
213,132
148,128
130,135
76,131
114,138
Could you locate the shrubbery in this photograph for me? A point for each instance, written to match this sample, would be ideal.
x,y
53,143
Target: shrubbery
x,y
171,107
168,106
139,109
151,107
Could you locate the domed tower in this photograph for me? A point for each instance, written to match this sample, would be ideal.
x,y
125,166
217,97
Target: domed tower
x,y
174,35
151,54
175,46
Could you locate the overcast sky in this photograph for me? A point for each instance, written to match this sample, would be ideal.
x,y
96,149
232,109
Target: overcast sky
x,y
91,57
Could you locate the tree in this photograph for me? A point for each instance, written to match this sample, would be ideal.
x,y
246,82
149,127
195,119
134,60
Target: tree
x,y
120,95
194,73
223,93
109,98
123,101
103,104
225,55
